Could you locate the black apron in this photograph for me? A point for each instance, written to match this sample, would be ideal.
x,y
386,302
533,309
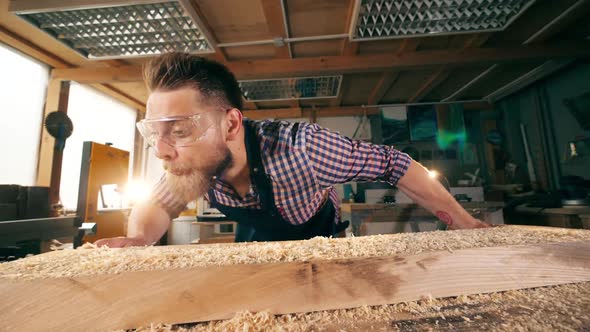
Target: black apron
x,y
267,224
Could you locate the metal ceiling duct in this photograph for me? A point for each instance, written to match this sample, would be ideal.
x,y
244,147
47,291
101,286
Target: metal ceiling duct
x,y
387,19
291,88
123,30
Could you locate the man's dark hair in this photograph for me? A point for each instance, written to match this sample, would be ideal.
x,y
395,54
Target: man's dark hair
x,y
178,70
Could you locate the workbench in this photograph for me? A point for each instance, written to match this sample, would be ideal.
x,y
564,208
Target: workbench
x,y
401,218
42,231
566,217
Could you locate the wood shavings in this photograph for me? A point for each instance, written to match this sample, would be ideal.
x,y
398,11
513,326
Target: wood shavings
x,y
67,263
568,311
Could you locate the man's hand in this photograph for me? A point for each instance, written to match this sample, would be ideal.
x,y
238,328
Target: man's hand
x,y
121,242
468,223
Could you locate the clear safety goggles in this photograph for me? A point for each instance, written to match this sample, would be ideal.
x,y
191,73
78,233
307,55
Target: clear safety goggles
x,y
177,131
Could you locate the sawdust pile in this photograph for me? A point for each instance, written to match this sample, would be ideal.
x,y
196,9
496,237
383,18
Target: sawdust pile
x,y
556,308
84,262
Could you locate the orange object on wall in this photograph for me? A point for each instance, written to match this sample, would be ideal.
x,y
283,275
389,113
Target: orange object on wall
x,y
102,165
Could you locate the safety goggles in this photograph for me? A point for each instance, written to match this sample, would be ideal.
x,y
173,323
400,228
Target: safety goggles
x,y
177,131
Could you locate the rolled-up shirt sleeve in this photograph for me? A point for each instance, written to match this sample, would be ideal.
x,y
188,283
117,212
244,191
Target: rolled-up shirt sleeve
x,y
339,159
162,197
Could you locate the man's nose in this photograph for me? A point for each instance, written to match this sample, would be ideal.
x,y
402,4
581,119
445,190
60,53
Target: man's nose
x,y
163,150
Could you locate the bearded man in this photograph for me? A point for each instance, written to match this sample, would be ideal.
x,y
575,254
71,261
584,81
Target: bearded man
x,y
274,178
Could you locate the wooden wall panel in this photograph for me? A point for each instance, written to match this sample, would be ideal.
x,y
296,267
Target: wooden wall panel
x,y
235,20
315,18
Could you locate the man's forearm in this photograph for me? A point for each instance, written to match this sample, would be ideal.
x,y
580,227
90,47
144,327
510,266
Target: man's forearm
x,y
147,223
429,193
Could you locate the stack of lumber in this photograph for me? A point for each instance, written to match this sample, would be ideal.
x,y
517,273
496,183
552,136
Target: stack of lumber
x,y
504,278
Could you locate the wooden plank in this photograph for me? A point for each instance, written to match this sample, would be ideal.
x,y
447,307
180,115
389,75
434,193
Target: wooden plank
x,y
128,300
273,12
46,147
253,69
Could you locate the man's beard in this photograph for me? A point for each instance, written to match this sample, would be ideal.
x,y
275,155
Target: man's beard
x,y
193,183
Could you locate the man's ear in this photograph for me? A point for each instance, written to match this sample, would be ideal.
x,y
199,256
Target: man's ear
x,y
233,118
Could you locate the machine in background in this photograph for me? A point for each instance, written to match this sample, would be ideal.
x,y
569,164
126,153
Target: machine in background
x,y
26,222
103,176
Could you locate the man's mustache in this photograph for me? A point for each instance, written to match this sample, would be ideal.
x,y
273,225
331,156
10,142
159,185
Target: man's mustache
x,y
178,169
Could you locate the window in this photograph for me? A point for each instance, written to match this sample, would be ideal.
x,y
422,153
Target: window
x,y
97,118
23,85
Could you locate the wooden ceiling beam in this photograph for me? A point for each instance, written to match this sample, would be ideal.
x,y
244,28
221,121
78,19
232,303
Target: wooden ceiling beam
x,y
25,46
273,13
349,47
342,111
317,112
578,11
409,45
131,73
388,78
575,12
256,69
443,73
248,105
279,113
121,96
432,82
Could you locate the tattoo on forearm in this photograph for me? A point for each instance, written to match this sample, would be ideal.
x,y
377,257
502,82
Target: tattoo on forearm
x,y
444,217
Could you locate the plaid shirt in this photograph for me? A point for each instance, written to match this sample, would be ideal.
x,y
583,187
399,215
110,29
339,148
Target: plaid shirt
x,y
304,162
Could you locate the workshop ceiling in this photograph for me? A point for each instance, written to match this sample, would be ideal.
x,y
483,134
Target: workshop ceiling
x,y
383,19
352,52
122,31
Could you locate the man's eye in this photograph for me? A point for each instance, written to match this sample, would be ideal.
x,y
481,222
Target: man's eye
x,y
180,132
